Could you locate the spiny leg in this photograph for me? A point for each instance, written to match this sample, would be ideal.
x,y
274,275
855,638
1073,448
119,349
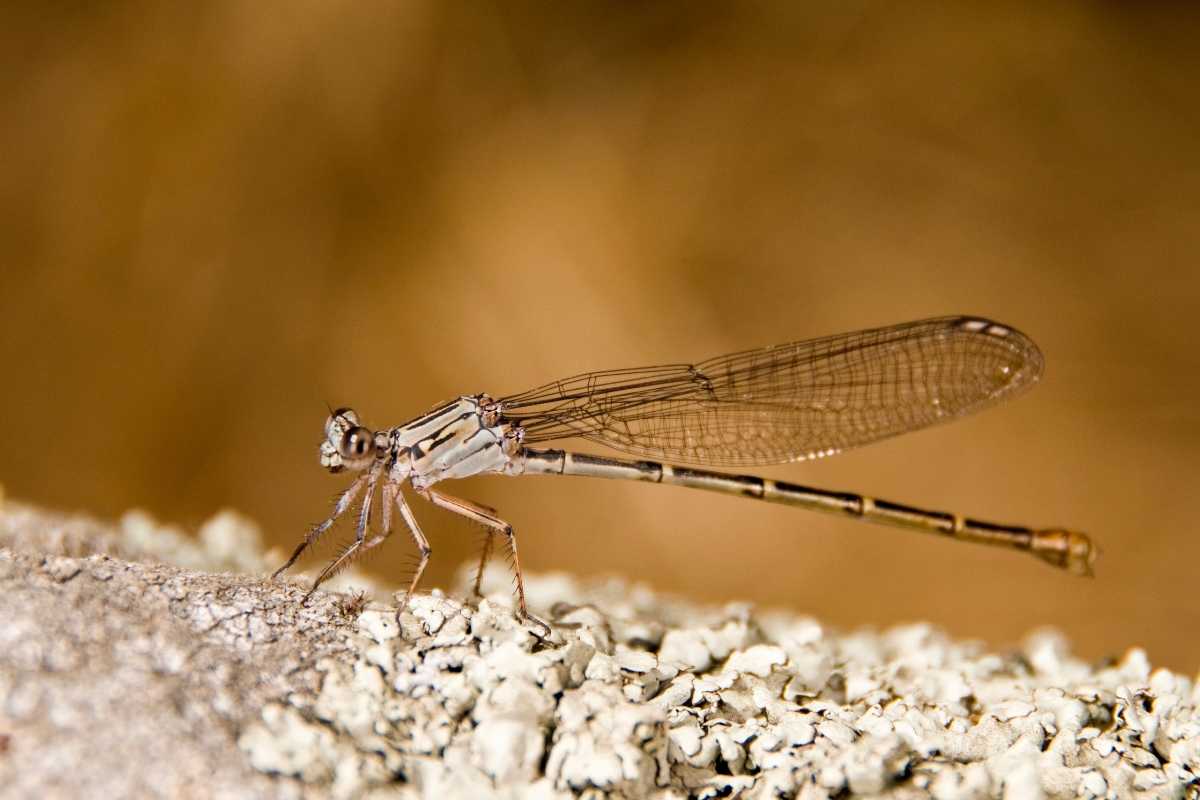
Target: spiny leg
x,y
339,508
488,536
422,546
364,521
480,514
359,547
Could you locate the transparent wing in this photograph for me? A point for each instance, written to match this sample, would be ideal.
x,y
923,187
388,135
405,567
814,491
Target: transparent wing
x,y
788,402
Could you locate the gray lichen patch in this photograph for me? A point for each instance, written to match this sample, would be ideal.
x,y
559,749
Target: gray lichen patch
x,y
729,703
124,678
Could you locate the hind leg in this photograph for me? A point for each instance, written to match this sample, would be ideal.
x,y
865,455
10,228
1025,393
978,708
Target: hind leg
x,y
483,559
478,513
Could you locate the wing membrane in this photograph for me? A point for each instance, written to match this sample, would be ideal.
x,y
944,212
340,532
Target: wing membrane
x,y
788,402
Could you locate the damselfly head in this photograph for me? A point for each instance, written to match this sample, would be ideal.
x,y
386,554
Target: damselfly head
x,y
347,444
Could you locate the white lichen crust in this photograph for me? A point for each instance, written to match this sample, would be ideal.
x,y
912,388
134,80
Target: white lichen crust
x,y
634,698
633,695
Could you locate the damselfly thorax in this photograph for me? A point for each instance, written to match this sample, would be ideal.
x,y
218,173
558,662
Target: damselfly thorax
x,y
790,402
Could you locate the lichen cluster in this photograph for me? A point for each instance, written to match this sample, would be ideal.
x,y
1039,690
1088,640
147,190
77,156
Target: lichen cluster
x,y
643,698
124,674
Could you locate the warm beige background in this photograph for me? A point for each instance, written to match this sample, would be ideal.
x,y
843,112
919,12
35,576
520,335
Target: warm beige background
x,y
219,217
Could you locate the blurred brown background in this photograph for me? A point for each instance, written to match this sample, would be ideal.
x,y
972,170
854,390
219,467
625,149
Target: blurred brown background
x,y
218,217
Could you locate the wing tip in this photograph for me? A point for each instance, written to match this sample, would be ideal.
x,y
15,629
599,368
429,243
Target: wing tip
x,y
1032,362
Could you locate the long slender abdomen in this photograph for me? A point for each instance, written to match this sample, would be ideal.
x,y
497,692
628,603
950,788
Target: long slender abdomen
x,y
1064,549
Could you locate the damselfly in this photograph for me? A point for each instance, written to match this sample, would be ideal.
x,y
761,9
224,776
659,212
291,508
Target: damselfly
x,y
789,402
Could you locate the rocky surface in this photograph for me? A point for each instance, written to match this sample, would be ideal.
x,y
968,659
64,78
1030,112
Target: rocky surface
x,y
132,665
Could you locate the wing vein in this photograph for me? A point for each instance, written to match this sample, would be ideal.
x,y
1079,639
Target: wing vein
x,y
788,402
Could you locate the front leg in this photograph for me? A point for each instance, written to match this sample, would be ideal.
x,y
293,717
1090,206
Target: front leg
x,y
364,521
478,513
343,502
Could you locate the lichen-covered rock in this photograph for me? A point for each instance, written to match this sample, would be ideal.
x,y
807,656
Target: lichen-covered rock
x,y
728,704
121,678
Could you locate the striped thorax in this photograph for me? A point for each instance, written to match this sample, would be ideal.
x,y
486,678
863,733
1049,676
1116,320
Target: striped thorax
x,y
456,440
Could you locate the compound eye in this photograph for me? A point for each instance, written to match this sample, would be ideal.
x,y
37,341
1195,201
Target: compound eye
x,y
357,443
344,415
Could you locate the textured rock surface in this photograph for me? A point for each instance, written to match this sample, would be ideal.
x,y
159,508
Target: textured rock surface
x,y
122,675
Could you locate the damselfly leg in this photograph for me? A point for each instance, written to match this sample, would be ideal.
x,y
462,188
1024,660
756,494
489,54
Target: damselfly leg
x,y
345,499
477,513
364,524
